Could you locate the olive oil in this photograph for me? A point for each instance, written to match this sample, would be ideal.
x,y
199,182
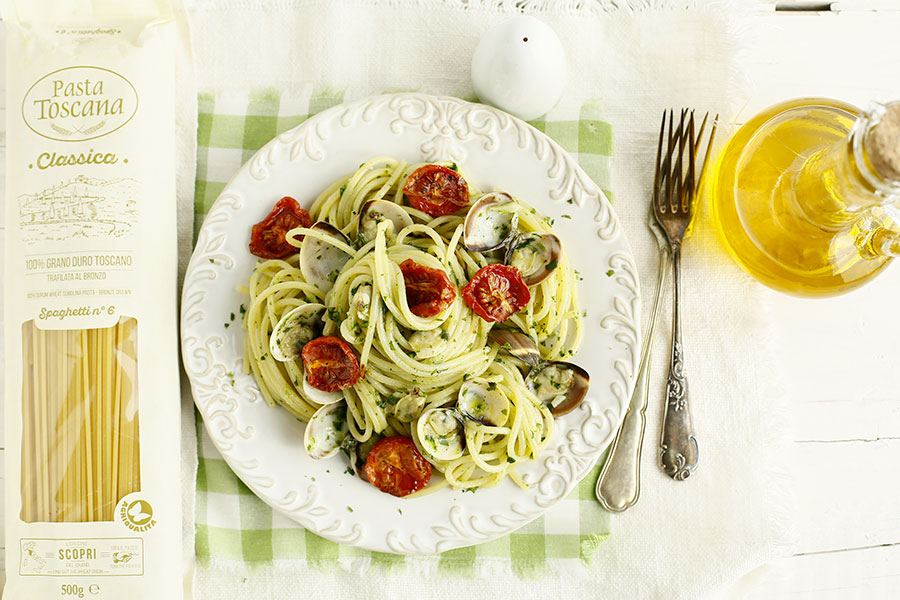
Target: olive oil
x,y
794,197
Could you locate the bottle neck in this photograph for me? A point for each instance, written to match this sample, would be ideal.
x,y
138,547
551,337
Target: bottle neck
x,y
838,183
878,232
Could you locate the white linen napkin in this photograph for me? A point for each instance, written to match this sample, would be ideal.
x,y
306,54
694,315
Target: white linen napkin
x,y
683,539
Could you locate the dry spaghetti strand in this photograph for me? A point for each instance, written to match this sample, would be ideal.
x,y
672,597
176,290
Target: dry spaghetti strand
x,y
80,446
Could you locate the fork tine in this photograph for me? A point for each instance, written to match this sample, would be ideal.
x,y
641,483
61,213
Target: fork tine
x,y
675,200
712,137
667,171
658,175
679,176
700,134
689,192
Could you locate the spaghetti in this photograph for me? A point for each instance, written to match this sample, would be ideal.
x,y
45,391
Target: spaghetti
x,y
80,451
411,364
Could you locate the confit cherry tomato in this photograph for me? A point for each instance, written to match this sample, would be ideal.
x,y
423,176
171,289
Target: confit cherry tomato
x,y
496,292
330,364
267,239
428,291
395,466
436,190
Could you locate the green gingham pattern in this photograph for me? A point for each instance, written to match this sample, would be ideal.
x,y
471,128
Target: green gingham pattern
x,y
232,525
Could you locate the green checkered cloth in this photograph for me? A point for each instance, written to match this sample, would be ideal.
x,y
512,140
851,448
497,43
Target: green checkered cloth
x,y
234,527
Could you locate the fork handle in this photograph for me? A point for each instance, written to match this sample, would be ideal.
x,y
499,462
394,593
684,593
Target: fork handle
x,y
619,484
678,443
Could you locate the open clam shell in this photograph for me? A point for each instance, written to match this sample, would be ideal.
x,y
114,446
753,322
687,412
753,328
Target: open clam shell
x,y
560,385
480,400
319,396
441,435
360,452
517,344
320,262
535,255
294,329
410,406
326,431
377,211
491,222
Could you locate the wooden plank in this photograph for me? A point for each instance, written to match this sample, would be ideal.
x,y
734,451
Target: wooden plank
x,y
843,349
864,573
851,56
842,420
847,494
871,573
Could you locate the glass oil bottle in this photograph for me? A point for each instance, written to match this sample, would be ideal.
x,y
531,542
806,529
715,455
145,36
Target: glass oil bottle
x,y
805,195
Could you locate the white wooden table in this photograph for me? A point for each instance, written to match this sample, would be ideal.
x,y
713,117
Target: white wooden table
x,y
842,355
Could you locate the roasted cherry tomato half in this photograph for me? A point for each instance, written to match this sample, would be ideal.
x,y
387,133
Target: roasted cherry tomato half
x,y
330,364
428,291
496,292
436,190
267,239
395,466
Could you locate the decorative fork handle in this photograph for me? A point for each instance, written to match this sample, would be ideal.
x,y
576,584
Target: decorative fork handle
x,y
619,484
678,443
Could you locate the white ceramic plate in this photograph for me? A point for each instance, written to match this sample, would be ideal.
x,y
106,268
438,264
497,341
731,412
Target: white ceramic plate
x,y
264,445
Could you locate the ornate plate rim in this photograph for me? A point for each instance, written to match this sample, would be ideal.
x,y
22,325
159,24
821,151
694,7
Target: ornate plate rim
x,y
444,123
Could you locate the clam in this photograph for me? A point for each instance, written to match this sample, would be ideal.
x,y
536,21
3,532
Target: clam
x,y
360,452
410,406
320,262
326,431
441,435
480,400
361,303
294,329
319,396
517,344
535,255
491,222
560,385
376,211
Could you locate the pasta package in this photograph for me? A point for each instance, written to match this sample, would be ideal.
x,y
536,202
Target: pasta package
x,y
93,502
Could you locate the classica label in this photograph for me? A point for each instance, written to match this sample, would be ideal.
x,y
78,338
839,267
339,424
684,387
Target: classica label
x,y
79,103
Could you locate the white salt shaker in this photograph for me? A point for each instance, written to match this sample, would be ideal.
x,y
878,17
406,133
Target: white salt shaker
x,y
519,66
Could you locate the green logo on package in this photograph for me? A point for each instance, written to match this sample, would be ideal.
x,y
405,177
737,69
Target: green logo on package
x,y
76,104
137,515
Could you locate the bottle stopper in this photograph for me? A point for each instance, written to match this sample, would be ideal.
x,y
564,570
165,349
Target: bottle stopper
x,y
883,143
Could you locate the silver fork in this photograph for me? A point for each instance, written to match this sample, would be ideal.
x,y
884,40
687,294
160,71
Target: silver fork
x,y
673,207
619,484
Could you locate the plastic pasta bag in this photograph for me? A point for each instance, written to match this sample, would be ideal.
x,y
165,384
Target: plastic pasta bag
x,y
93,503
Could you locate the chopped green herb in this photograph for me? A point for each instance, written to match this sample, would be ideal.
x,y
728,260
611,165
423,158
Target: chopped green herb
x,y
350,508
226,325
510,459
570,201
551,265
610,273
349,470
566,216
231,317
